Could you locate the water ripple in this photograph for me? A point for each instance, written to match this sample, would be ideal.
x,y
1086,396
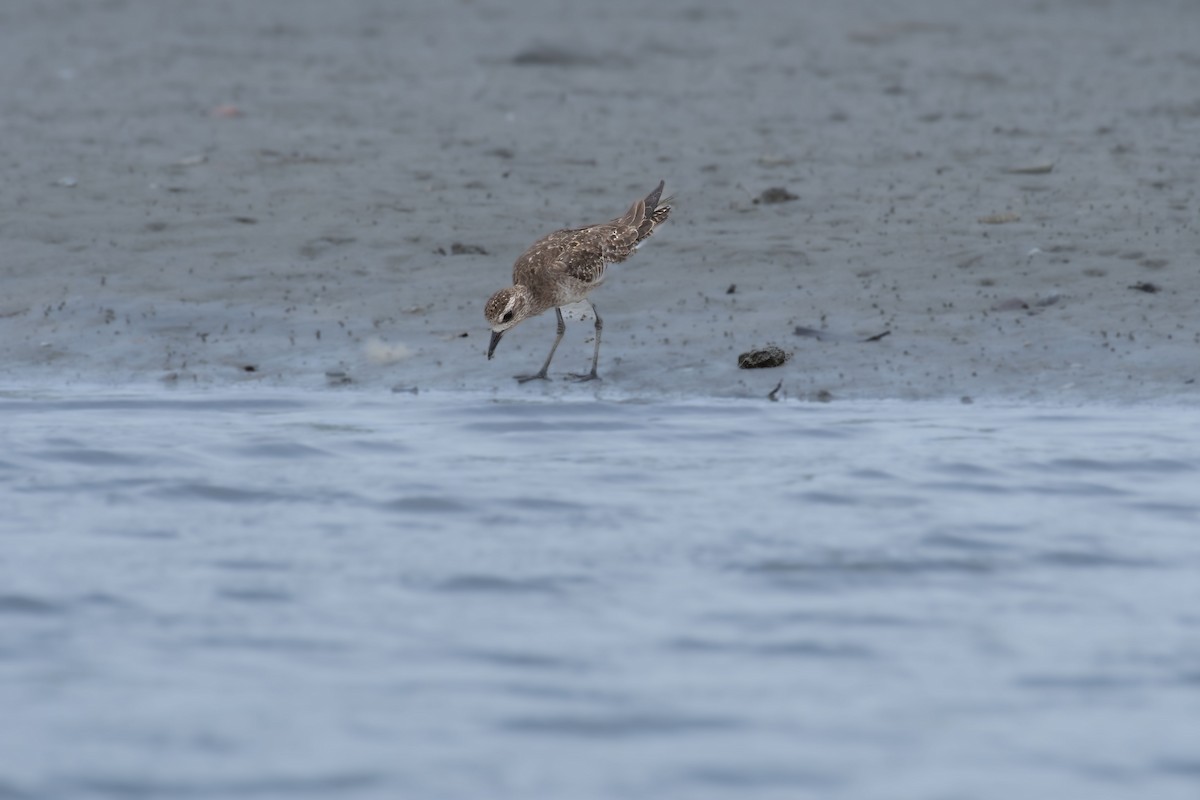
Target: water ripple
x,y
91,458
440,576
1087,560
26,604
524,660
136,788
618,726
217,493
801,648
497,584
425,504
288,450
1163,466
872,566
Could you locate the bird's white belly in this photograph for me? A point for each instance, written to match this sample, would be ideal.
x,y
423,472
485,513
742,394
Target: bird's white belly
x,y
578,312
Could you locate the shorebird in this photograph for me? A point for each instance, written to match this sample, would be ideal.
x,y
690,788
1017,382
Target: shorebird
x,y
562,268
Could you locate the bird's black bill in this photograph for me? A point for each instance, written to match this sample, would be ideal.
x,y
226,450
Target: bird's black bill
x,y
496,336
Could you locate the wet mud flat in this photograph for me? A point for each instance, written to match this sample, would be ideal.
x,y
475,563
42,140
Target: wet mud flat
x,y
275,192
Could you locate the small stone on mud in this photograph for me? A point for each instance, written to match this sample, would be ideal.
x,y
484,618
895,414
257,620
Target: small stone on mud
x,y
763,358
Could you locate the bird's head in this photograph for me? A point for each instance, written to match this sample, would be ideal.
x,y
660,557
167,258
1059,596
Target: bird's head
x,y
505,309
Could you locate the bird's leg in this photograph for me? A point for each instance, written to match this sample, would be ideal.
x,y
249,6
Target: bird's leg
x,y
592,376
540,375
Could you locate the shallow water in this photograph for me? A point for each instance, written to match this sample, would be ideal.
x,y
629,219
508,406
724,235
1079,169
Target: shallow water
x,y
351,595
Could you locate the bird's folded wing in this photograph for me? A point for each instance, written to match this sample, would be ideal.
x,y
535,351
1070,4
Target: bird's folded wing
x,y
583,257
591,248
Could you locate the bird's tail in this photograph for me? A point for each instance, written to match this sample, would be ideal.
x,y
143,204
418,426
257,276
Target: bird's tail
x,y
648,213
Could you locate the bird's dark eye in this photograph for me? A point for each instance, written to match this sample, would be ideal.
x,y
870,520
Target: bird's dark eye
x,y
507,317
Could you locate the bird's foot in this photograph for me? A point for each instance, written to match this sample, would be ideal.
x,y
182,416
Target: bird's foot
x,y
539,376
583,377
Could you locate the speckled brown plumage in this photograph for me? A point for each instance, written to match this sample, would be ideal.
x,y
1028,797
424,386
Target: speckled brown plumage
x,y
563,267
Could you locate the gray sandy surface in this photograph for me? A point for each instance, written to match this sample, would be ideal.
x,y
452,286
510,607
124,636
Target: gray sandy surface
x,y
273,192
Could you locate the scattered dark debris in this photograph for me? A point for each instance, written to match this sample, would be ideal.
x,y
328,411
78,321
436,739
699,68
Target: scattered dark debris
x,y
1031,169
1011,304
775,161
501,152
279,159
315,247
246,220
1000,219
1153,263
763,358
823,396
774,395
460,249
966,400
399,389
1147,287
464,335
249,368
811,333
732,288
775,194
889,33
1190,381
826,336
541,54
336,377
1021,304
